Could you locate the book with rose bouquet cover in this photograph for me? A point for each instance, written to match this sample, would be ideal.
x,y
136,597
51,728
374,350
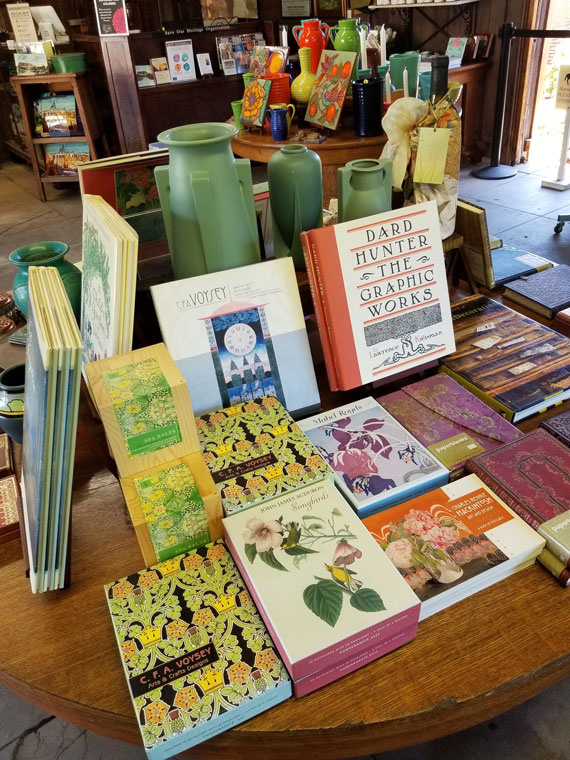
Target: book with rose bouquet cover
x,y
311,566
454,541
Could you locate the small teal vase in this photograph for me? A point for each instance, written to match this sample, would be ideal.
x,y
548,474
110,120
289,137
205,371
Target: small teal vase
x,y
50,253
364,188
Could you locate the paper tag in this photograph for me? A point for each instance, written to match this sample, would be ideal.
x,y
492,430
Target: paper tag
x,y
487,342
485,327
513,342
431,155
519,369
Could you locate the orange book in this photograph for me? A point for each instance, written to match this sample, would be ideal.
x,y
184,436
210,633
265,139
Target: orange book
x,y
380,294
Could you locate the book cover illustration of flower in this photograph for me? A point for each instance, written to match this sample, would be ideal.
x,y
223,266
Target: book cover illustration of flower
x,y
192,643
433,549
283,545
329,89
254,103
173,511
137,201
371,453
144,407
255,451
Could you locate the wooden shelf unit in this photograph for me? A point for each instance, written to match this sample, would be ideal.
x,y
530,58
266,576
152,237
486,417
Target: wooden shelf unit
x,y
30,88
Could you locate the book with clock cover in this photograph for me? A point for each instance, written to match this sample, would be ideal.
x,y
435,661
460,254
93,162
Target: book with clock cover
x,y
149,423
376,461
255,452
454,541
533,476
516,365
380,294
545,292
239,335
312,566
195,653
451,422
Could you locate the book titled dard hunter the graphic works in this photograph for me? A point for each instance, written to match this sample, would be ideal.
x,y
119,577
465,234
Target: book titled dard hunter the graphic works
x,y
516,365
196,655
380,294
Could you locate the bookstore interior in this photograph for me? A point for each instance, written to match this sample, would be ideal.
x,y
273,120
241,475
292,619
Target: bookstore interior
x,y
335,374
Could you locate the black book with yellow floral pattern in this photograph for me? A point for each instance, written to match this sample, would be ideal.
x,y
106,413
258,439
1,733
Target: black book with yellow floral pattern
x,y
196,654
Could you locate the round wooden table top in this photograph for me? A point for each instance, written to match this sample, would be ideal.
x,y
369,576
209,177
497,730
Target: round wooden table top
x,y
468,663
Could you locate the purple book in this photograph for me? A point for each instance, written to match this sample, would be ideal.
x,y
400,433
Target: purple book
x,y
559,427
453,424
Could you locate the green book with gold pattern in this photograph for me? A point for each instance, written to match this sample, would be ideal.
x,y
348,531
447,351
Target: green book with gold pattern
x,y
255,452
195,652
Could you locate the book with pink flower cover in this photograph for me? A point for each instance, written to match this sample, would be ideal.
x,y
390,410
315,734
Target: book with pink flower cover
x,y
454,541
311,566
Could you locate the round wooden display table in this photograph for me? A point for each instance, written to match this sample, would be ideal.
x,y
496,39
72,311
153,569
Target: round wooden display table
x,y
341,146
469,662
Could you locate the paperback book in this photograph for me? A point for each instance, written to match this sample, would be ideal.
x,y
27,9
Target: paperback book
x,y
544,293
376,461
452,423
380,294
239,335
63,159
312,566
557,568
454,541
514,364
195,653
255,452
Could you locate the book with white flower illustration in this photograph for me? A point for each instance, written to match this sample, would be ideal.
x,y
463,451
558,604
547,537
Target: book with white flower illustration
x,y
196,655
454,541
376,461
311,566
145,408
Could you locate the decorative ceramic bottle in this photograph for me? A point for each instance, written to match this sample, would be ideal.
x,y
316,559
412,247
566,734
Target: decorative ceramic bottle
x,y
302,86
295,179
207,201
364,188
49,253
314,35
346,37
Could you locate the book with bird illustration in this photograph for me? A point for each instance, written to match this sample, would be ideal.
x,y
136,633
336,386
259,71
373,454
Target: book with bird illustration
x,y
376,461
196,655
311,566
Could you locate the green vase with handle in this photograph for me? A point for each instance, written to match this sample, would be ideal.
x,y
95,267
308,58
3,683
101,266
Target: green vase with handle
x,y
364,188
48,253
207,203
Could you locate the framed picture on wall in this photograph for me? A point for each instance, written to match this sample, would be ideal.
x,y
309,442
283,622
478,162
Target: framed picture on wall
x,y
295,8
330,8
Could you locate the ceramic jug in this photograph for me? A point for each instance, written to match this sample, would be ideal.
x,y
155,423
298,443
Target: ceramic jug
x,y
346,35
401,61
279,119
207,201
314,35
302,86
364,188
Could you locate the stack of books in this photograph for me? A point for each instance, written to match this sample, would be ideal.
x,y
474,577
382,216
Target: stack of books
x,y
53,373
328,594
544,293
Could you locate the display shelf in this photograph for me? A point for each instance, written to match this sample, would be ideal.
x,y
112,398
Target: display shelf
x,y
63,138
399,6
58,178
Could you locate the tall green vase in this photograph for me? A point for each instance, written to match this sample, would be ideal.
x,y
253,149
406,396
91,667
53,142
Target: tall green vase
x,y
364,188
207,201
295,179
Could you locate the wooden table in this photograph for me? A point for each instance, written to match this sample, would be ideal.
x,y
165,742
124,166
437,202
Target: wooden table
x,y
467,664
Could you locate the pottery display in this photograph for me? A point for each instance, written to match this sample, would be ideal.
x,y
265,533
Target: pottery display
x,y
49,253
312,34
206,195
364,188
295,178
302,86
346,37
279,120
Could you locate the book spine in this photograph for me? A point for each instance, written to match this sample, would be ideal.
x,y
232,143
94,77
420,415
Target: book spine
x,y
473,466
559,550
554,566
317,294
503,410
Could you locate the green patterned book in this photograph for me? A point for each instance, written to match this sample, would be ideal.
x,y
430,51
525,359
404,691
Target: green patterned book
x,y
196,655
255,451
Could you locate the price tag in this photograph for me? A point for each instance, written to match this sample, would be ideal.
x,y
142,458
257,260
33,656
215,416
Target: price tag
x,y
431,155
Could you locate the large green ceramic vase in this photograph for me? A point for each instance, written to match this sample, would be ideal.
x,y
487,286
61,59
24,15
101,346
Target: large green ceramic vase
x,y
364,188
48,253
295,179
207,201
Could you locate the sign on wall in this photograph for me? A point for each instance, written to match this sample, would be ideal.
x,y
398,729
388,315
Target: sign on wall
x,y
563,88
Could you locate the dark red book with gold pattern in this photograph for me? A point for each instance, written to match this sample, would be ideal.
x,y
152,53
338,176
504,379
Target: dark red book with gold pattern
x,y
532,475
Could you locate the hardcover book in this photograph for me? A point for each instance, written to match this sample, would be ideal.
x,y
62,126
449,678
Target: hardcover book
x,y
380,294
545,292
511,263
145,76
558,426
312,566
452,423
9,520
454,541
376,461
471,224
556,531
160,70
239,335
196,655
255,452
558,569
6,461
516,365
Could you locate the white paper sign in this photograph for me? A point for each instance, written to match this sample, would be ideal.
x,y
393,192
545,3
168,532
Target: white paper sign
x,y
563,88
22,22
